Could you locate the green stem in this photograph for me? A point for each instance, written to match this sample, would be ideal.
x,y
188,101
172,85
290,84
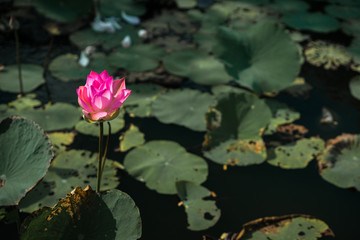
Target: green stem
x,y
18,60
46,66
100,157
97,7
106,150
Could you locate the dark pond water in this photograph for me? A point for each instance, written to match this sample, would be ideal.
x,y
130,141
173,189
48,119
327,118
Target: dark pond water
x,y
243,193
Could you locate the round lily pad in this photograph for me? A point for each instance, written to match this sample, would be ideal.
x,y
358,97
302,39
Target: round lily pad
x,y
201,214
131,138
249,56
354,86
83,214
317,22
340,162
286,6
26,156
342,11
68,170
160,164
186,3
60,140
27,101
198,66
32,78
74,71
296,155
190,113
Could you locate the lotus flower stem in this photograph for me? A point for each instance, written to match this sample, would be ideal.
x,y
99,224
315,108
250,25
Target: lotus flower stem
x,y
106,150
46,66
100,157
18,60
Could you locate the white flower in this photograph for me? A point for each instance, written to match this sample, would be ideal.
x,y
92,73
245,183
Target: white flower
x,y
126,42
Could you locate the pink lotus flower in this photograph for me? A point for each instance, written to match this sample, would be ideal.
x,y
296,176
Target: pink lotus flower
x,y
101,97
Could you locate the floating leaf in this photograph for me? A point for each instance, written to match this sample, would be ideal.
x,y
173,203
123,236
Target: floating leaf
x,y
83,214
330,55
249,56
27,101
131,138
354,86
201,213
64,10
74,71
190,113
295,226
352,27
93,128
186,3
317,22
32,78
26,156
286,6
114,8
343,12
143,95
60,140
68,170
296,155
340,162
160,164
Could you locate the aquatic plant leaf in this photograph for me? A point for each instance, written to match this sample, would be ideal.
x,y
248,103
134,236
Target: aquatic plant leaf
x,y
218,90
198,66
296,155
281,114
88,37
351,27
354,86
64,10
32,78
160,164
286,7
201,214
83,214
294,226
74,71
139,57
131,138
143,95
93,128
68,170
317,22
186,3
190,113
26,156
330,55
342,11
249,56
60,140
111,8
339,164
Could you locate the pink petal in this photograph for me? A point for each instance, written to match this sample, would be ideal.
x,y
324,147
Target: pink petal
x,y
84,105
118,85
104,75
97,116
101,101
120,99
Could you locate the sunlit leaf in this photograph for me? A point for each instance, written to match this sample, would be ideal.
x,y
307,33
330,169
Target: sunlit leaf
x,y
131,138
60,140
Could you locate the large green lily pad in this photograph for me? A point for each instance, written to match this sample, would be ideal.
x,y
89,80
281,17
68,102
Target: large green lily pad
x,y
83,214
32,78
160,164
296,155
74,71
340,162
26,156
295,226
68,170
201,213
131,138
317,22
354,86
263,58
64,10
143,95
198,66
189,113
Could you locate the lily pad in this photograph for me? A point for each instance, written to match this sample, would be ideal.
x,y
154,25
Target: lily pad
x,y
286,6
201,214
352,27
27,101
143,95
74,71
131,138
342,11
60,140
139,58
317,22
88,37
83,214
26,156
64,10
296,155
249,56
295,226
114,8
354,86
93,128
340,162
186,3
32,78
160,164
68,170
198,66
190,113
331,56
